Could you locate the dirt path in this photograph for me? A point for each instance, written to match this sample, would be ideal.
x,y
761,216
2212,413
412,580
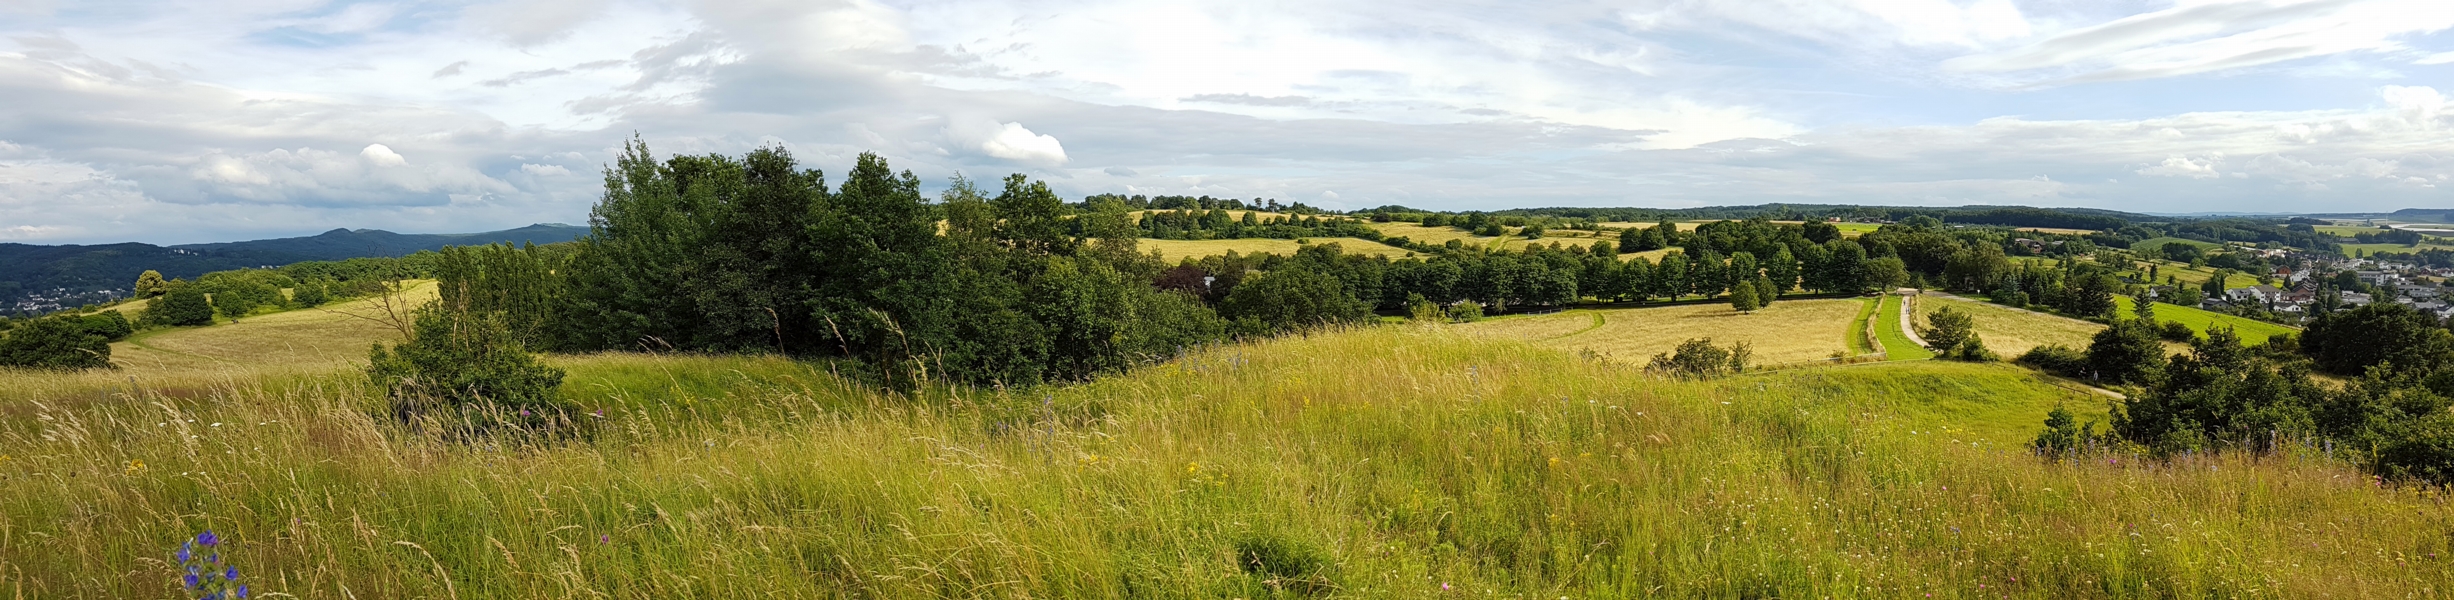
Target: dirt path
x,y
1908,324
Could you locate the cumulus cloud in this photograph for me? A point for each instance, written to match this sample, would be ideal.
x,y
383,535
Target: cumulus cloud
x,y
1008,141
2207,167
382,156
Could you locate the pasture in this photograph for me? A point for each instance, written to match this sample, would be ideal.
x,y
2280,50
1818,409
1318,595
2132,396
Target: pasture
x,y
2011,332
2252,331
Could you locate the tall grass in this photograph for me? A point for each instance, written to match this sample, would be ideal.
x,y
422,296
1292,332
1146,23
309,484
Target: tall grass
x,y
1402,462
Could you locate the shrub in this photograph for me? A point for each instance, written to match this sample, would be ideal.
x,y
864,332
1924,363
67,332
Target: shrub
x,y
2424,452
2127,352
309,293
181,305
2063,436
55,343
109,324
2175,331
2057,359
1466,311
1947,328
465,367
1699,358
150,284
1293,298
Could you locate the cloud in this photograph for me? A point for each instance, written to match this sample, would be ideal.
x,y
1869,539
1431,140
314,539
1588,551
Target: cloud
x,y
382,156
2201,37
2209,167
1009,141
545,170
533,22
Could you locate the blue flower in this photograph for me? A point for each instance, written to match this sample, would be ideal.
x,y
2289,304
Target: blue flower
x,y
242,591
182,553
192,582
208,539
230,574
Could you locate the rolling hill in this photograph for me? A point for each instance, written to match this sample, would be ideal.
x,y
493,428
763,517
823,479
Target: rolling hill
x,y
35,279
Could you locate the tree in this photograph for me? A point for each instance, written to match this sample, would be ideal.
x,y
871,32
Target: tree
x,y
1742,297
1821,232
181,304
1887,273
1844,267
2143,305
309,294
54,343
1290,299
150,284
1946,329
1782,270
2128,352
1697,358
2349,342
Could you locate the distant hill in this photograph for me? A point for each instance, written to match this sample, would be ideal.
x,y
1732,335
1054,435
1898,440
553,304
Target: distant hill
x,y
36,279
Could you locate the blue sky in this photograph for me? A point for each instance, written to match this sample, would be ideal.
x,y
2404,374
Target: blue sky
x,y
218,120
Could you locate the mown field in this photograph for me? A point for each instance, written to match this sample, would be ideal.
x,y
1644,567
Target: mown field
x,y
1789,331
1892,332
1395,462
2252,331
2011,332
1179,249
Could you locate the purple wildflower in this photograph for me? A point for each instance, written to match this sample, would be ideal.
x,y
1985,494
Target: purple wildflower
x,y
208,539
193,582
230,574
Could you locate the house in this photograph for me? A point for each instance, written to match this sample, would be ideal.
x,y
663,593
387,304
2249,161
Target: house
x,y
2418,292
2357,299
2258,294
2376,277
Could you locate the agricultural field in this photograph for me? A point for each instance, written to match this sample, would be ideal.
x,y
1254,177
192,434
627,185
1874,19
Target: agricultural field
x,y
305,339
1512,241
1387,462
2011,332
1232,214
2191,276
2252,331
1174,250
1788,331
2057,230
2345,230
2368,249
2151,244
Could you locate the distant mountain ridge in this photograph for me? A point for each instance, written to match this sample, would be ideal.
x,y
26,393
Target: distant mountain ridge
x,y
37,278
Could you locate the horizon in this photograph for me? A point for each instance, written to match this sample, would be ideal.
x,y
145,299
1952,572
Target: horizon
x,y
163,123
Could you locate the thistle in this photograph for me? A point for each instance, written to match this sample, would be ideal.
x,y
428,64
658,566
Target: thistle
x,y
202,572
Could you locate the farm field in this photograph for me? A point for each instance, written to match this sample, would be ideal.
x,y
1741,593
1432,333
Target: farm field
x,y
2193,276
2151,244
2367,249
2058,230
1388,462
1512,241
1788,331
2011,332
2252,331
1174,250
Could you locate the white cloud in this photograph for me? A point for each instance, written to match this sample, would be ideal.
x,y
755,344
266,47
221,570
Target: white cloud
x,y
545,170
382,156
2435,59
1009,141
2200,37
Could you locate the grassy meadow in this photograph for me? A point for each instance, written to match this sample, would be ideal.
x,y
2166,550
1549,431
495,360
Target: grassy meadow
x,y
1393,462
1893,334
1788,331
2252,331
2011,332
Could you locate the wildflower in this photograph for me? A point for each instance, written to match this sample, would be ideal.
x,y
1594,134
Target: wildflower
x,y
604,538
135,466
192,582
207,539
230,574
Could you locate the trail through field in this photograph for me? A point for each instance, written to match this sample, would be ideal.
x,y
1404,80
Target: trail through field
x,y
1908,322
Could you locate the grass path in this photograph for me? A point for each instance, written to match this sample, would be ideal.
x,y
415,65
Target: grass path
x,y
1894,334
1859,335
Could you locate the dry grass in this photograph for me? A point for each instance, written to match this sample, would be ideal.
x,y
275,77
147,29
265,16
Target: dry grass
x,y
308,339
2010,331
1789,331
1173,250
2058,230
1398,462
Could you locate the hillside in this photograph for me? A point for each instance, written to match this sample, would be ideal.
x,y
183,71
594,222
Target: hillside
x,y
1393,462
44,278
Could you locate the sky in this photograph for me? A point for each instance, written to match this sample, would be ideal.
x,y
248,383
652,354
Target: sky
x,y
217,120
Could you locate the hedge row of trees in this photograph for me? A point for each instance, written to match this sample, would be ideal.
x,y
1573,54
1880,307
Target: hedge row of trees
x,y
1218,224
2393,415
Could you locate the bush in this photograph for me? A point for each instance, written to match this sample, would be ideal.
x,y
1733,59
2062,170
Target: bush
x,y
309,294
1466,311
2063,436
1698,358
109,324
2175,331
55,343
2057,359
2424,452
1947,328
467,368
1293,298
182,305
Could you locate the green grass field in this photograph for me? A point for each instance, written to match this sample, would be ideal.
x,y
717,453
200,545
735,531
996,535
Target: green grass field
x,y
2192,276
1891,333
2252,331
1174,250
1394,462
1859,337
2367,249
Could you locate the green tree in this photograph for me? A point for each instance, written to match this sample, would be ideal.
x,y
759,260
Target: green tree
x,y
2128,352
181,304
309,294
2143,305
1887,273
150,284
1946,329
54,343
1699,358
1291,299
1742,298
2395,335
